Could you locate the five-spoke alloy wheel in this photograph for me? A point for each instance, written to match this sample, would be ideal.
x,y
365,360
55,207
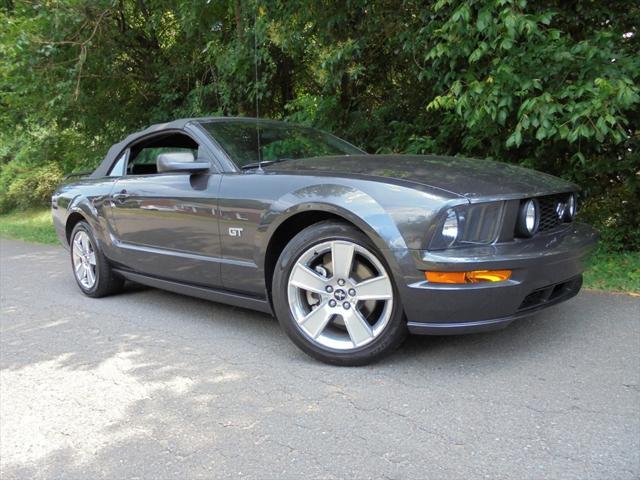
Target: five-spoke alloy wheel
x,y
334,296
91,268
84,259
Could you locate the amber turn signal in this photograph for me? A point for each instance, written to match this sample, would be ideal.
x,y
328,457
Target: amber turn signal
x,y
474,276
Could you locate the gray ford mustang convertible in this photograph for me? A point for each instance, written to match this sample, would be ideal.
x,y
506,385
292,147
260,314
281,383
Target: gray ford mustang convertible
x,y
350,251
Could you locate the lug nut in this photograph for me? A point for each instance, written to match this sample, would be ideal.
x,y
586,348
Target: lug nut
x,y
332,303
329,289
346,305
352,292
341,282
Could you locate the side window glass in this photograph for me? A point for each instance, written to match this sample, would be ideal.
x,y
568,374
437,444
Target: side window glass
x,y
118,168
144,163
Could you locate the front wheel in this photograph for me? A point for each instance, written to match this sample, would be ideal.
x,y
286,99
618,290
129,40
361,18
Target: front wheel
x,y
335,298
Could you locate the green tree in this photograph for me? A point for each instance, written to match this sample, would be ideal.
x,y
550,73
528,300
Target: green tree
x,y
552,85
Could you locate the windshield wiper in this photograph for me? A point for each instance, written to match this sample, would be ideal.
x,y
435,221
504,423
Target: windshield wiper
x,y
249,166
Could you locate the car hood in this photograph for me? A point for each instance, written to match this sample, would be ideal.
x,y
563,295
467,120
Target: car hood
x,y
471,178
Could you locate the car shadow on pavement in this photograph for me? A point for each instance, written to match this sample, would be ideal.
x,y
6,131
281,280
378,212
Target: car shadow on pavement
x,y
152,384
147,313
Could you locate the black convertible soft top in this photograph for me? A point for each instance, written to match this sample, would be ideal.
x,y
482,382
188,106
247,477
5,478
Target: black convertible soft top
x,y
115,150
179,124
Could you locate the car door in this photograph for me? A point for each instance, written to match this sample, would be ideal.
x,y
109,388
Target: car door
x,y
165,224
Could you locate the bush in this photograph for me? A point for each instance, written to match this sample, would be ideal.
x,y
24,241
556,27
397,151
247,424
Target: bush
x,y
25,187
614,212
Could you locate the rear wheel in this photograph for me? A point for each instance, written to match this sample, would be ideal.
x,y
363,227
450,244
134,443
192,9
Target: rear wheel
x,y
91,269
335,298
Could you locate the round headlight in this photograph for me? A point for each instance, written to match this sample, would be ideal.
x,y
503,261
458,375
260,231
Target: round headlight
x,y
450,227
529,218
571,208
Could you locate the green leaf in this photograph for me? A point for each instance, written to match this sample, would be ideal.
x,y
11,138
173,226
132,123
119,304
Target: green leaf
x,y
475,55
563,130
484,18
502,116
506,44
572,135
463,13
545,18
515,139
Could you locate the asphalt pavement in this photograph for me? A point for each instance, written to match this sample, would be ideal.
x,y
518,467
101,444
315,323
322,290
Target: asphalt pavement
x,y
149,384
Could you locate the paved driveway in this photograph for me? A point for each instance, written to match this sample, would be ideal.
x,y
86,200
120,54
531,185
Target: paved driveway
x,y
150,384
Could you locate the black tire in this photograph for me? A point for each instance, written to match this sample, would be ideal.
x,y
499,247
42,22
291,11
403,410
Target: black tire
x,y
106,281
390,338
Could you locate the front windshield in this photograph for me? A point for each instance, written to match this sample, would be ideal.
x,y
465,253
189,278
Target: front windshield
x,y
276,141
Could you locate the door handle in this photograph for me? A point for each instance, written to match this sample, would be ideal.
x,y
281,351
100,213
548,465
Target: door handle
x,y
121,196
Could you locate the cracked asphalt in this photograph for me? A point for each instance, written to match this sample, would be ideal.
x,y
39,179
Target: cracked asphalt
x,y
148,384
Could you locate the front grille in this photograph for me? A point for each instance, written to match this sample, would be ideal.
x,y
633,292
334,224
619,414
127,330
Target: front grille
x,y
552,294
548,215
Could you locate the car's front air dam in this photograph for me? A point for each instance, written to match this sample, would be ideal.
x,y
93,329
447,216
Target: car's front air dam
x,y
546,270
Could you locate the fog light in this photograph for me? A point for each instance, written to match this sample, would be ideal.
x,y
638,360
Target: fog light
x,y
474,276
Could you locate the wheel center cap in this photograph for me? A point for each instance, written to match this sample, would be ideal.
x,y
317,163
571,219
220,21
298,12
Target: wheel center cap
x,y
340,294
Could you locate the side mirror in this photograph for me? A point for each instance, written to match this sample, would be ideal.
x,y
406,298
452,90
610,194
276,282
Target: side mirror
x,y
180,162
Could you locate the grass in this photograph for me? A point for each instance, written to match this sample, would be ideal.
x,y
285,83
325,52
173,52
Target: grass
x,y
613,272
29,225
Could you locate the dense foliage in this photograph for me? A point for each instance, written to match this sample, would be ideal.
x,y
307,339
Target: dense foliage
x,y
553,85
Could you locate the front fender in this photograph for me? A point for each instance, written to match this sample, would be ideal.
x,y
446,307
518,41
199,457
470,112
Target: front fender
x,y
344,201
396,219
349,203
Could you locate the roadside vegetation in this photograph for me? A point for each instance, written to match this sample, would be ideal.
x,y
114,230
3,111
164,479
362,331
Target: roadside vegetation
x,y
550,85
28,225
614,272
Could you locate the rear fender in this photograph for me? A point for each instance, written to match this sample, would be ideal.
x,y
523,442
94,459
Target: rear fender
x,y
96,220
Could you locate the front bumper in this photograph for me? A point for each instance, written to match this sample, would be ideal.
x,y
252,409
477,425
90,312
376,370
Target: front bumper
x,y
546,270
